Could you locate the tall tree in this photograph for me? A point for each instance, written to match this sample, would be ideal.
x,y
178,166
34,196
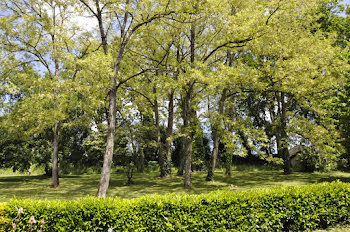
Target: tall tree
x,y
297,68
41,32
128,18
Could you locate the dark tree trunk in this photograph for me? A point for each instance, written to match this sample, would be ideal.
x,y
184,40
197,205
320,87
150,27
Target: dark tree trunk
x,y
216,137
103,35
281,134
283,152
287,162
284,136
169,133
228,164
180,171
140,161
56,137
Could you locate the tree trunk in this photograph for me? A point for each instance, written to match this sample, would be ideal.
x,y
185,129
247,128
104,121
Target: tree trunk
x,y
283,152
108,156
187,116
140,161
188,163
284,136
228,164
216,137
101,28
169,133
161,157
29,170
56,136
214,156
232,114
281,135
180,171
56,132
112,112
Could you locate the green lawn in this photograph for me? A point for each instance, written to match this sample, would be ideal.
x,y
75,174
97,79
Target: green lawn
x,y
338,228
76,186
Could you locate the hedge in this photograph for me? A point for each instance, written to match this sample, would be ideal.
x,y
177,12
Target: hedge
x,y
277,209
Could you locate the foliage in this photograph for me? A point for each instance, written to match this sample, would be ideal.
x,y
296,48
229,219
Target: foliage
x,y
258,77
4,221
332,21
276,209
311,160
22,154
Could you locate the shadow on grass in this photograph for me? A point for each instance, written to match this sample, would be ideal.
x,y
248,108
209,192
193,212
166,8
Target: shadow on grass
x,y
22,178
76,186
335,178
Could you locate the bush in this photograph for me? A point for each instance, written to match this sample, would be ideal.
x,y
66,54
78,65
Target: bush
x,y
4,222
276,209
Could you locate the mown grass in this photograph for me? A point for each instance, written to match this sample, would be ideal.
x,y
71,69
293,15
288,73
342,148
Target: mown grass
x,y
338,228
72,187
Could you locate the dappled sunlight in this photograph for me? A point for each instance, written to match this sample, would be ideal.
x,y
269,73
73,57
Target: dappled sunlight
x,y
77,186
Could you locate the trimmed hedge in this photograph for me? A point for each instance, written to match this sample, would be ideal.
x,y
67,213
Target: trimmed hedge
x,y
277,209
4,221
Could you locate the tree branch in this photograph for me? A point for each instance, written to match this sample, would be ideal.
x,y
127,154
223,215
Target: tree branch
x,y
227,44
90,9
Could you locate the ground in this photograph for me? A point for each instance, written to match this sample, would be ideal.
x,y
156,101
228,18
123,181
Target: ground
x,y
71,187
339,228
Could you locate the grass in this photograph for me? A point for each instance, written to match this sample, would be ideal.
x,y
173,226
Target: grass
x,y
338,228
71,187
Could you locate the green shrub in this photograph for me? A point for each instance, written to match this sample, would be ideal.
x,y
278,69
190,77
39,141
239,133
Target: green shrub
x,y
4,222
276,209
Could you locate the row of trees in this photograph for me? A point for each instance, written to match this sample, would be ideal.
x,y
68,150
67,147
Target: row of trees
x,y
108,82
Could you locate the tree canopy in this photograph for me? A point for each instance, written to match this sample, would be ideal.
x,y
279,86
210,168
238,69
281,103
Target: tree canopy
x,y
191,84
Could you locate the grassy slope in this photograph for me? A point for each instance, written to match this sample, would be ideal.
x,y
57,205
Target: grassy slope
x,y
76,186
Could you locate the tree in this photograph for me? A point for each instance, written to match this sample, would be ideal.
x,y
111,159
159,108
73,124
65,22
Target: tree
x,y
42,34
331,21
297,68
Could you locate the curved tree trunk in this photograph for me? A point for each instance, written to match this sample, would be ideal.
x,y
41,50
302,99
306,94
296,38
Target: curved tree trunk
x,y
112,113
